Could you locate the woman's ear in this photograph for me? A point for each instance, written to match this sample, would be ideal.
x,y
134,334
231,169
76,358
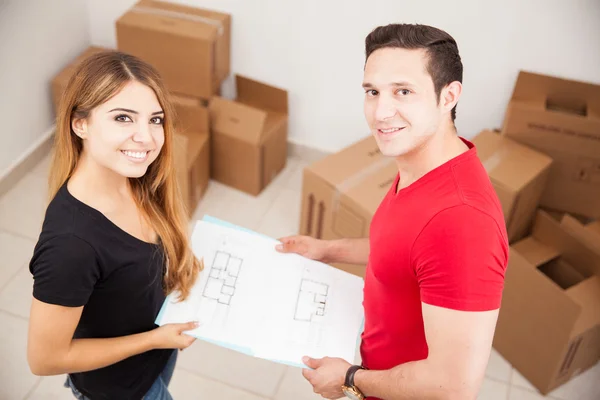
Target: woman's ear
x,y
79,126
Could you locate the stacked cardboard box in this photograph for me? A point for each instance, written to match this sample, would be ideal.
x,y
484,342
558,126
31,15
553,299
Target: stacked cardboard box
x,y
549,324
191,140
340,193
249,136
519,175
242,142
192,155
190,48
560,118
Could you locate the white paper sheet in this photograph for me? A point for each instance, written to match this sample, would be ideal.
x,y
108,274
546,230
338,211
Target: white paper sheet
x,y
266,304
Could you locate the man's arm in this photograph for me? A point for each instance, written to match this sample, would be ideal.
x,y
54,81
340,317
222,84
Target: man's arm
x,y
348,251
459,348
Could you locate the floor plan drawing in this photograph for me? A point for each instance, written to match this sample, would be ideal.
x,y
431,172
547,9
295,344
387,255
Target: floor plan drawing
x,y
255,300
312,301
222,278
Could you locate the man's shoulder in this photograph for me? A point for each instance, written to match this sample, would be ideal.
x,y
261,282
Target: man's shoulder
x,y
475,190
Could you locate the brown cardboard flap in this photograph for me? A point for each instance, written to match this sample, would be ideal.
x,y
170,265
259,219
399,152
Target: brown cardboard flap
x,y
587,295
349,162
563,238
195,142
508,162
562,273
237,120
188,101
176,19
273,124
535,252
590,237
369,189
180,160
192,113
560,95
261,95
535,321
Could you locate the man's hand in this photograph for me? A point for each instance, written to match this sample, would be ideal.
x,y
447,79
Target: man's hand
x,y
327,375
306,246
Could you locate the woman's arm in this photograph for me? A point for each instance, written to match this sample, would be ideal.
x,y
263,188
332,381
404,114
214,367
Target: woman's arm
x,y
51,349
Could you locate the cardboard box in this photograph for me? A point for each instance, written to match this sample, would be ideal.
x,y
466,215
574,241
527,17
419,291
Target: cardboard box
x,y
190,47
249,136
191,154
341,193
561,118
519,176
191,114
549,322
587,233
193,131
60,80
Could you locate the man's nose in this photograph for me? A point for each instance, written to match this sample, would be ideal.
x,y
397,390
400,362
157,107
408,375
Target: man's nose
x,y
386,108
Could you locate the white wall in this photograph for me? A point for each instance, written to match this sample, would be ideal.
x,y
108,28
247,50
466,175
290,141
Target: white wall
x,y
314,49
37,39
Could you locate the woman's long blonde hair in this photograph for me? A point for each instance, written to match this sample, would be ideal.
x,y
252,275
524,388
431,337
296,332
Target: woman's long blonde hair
x,y
97,79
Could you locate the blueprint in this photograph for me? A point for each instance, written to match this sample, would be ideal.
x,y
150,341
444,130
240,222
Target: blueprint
x,y
266,304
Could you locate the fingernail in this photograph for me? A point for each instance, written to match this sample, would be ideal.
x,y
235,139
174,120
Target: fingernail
x,y
304,359
279,247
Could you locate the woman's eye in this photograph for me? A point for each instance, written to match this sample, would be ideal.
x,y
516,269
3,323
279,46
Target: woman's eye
x,y
123,118
157,120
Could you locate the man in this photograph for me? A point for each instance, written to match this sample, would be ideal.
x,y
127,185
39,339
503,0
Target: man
x,y
438,248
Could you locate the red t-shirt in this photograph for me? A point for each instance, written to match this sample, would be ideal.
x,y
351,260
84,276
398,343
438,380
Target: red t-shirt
x,y
441,241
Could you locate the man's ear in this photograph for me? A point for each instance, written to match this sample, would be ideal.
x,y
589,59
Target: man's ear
x,y
450,95
79,126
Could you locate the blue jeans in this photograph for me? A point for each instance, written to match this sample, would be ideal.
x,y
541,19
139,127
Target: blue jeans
x,y
158,390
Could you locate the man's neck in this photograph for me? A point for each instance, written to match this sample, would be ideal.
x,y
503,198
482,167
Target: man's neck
x,y
437,150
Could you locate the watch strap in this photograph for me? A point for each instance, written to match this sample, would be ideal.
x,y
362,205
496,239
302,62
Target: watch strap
x,y
350,375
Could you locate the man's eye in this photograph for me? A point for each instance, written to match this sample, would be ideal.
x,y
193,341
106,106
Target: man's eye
x,y
371,92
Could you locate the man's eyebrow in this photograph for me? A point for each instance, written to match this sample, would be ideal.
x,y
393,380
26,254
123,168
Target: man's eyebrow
x,y
368,85
401,83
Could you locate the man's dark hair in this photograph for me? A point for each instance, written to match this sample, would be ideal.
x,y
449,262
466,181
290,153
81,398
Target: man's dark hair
x,y
444,64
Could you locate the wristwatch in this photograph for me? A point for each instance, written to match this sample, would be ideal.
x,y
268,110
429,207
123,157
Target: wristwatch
x,y
348,388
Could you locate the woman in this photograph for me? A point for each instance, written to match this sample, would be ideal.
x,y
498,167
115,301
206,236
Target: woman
x,y
114,240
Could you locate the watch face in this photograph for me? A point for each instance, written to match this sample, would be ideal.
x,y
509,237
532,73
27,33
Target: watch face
x,y
351,394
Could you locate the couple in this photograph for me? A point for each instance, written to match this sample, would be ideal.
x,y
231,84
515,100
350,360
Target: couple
x,y
114,240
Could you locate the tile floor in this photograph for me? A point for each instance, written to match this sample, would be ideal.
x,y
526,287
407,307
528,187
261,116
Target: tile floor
x,y
204,371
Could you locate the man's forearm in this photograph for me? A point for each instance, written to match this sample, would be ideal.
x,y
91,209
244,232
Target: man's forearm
x,y
349,251
413,380
90,354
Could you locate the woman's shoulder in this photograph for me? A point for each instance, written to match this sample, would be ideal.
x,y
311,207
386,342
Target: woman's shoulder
x,y
65,226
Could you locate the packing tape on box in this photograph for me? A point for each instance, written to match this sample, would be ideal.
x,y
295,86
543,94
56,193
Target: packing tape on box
x,y
492,162
353,180
180,15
